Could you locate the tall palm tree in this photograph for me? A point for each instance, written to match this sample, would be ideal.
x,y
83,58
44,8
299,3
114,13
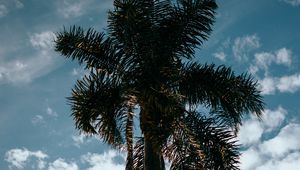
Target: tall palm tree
x,y
142,67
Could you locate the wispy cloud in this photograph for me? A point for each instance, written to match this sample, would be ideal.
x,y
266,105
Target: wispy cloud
x,y
73,8
286,141
61,164
284,57
3,10
18,158
270,85
244,45
43,40
267,85
7,5
290,162
220,55
79,72
18,4
271,149
220,52
38,120
80,140
277,153
253,129
289,83
264,60
240,48
23,69
111,160
292,2
51,112
24,158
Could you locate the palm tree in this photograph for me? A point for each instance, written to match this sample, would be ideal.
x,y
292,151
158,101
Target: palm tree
x,y
141,69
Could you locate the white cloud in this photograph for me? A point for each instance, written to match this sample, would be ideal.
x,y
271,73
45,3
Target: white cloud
x,y
3,10
280,151
250,159
264,60
38,119
19,4
73,8
104,161
290,84
17,158
271,119
250,132
26,69
61,164
22,158
80,139
283,56
41,164
79,72
285,142
220,55
51,112
43,40
267,85
292,2
23,69
243,45
252,129
290,162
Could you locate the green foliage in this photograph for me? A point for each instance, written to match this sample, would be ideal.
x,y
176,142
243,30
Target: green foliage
x,y
143,61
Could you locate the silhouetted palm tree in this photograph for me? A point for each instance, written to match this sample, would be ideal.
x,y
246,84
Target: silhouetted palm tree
x,y
142,66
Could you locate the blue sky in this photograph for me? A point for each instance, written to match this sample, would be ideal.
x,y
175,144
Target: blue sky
x,y
36,131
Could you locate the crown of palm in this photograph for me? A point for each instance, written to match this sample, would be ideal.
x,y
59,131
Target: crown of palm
x,y
144,60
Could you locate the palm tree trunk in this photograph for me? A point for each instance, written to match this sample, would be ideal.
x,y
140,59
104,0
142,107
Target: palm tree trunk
x,y
153,159
129,138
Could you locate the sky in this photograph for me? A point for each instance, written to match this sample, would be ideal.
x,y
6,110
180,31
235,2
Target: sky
x,y
260,37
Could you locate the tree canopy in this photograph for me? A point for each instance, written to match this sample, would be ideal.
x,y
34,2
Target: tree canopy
x,y
142,67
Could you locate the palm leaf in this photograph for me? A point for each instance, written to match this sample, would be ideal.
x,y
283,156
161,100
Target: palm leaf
x,y
188,24
90,47
97,105
228,95
199,144
138,155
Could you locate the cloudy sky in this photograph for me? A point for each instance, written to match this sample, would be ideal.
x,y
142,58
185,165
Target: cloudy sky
x,y
37,132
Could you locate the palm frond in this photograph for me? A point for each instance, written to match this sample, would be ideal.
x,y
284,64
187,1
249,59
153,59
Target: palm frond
x,y
199,144
228,95
90,47
138,154
97,106
187,26
134,24
127,22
